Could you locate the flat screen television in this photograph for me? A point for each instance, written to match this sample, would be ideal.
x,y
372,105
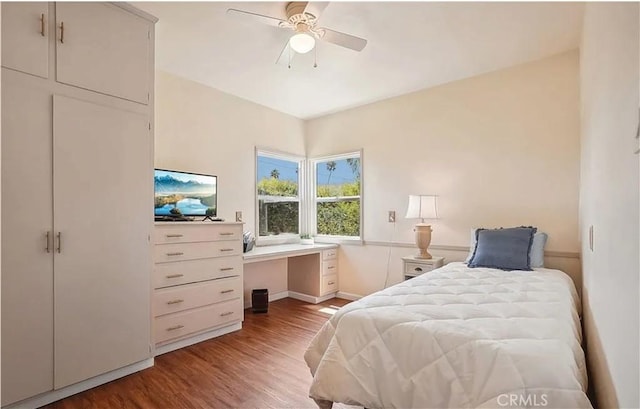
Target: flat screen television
x,y
191,193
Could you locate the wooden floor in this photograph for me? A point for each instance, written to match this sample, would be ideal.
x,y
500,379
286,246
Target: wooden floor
x,y
260,366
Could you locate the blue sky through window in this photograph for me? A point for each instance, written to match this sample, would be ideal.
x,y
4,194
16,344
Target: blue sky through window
x,y
286,169
341,174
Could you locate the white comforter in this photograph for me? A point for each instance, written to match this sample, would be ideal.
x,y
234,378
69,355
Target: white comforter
x,y
456,338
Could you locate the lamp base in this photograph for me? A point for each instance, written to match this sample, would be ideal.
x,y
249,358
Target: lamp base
x,y
423,239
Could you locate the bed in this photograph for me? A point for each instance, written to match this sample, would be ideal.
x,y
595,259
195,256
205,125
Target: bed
x,y
457,337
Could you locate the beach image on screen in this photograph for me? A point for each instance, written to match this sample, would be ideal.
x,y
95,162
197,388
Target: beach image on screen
x,y
191,194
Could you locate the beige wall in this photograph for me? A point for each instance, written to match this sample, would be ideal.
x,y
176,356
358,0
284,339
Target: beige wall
x,y
609,200
500,149
204,130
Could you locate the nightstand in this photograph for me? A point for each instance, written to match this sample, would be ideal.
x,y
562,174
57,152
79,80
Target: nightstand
x,y
412,267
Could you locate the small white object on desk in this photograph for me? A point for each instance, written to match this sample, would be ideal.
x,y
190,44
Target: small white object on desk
x,y
413,266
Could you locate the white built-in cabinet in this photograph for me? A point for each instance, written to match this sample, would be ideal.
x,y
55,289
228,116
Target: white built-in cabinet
x,y
77,194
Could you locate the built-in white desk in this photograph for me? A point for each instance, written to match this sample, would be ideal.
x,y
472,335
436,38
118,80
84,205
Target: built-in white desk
x,y
312,270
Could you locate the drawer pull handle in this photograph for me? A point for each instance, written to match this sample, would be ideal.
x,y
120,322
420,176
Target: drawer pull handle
x,y
224,314
175,275
42,24
175,327
331,267
62,32
331,283
177,253
226,249
174,302
226,234
417,269
226,291
226,269
174,235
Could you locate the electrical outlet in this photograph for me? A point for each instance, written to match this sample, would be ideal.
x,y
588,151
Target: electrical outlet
x,y
239,216
392,216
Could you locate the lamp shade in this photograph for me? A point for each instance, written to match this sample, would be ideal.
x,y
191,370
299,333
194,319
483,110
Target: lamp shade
x,y
422,207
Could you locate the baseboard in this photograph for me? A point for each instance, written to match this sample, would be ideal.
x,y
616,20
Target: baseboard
x,y
163,349
49,397
348,296
309,298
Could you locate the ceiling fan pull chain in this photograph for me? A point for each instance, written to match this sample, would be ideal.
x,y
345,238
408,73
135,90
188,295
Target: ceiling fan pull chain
x,y
315,58
289,45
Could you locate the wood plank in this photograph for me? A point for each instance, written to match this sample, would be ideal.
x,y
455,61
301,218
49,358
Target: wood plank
x,y
261,366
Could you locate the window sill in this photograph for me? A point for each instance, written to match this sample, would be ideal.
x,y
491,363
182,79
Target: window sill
x,y
339,240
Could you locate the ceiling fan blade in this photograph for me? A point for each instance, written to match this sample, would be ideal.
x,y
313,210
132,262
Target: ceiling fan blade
x,y
316,8
286,55
249,16
343,39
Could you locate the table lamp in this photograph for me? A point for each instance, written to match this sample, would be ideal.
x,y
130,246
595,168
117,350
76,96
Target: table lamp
x,y
422,207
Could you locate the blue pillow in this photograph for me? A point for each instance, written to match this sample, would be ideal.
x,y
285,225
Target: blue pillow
x,y
505,249
536,254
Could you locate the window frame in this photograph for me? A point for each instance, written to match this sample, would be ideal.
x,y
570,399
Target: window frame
x,y
313,199
283,238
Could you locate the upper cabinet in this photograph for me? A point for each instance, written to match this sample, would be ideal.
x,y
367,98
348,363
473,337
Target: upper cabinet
x,y
103,48
25,37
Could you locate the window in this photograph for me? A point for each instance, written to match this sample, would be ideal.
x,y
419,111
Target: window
x,y
338,205
278,193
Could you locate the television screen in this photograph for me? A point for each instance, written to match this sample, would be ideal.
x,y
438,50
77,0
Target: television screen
x,y
190,193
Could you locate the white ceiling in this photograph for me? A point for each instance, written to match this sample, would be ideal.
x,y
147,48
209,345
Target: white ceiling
x,y
411,46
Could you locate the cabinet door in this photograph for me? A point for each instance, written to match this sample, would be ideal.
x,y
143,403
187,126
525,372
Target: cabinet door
x,y
25,37
103,48
103,196
27,266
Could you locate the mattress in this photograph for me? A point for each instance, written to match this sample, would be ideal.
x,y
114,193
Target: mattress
x,y
456,337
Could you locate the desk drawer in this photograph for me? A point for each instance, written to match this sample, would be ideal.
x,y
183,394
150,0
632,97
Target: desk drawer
x,y
188,322
191,271
184,297
168,233
164,253
329,284
330,254
329,267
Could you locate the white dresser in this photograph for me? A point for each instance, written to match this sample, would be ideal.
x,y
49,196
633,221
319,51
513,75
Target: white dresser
x,y
197,280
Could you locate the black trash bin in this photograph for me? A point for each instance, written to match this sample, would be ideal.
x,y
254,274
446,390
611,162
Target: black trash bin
x,y
260,300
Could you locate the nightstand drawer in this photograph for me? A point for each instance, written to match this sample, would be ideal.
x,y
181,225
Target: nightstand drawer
x,y
417,268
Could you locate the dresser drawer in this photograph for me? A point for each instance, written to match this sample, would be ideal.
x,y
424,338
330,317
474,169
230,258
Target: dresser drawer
x,y
417,269
329,284
184,297
191,271
164,253
330,254
169,233
180,324
329,267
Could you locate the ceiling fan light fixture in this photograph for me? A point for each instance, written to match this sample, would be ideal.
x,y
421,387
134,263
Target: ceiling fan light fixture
x,y
302,43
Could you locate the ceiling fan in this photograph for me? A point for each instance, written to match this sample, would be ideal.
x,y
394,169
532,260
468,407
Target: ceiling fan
x,y
302,18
